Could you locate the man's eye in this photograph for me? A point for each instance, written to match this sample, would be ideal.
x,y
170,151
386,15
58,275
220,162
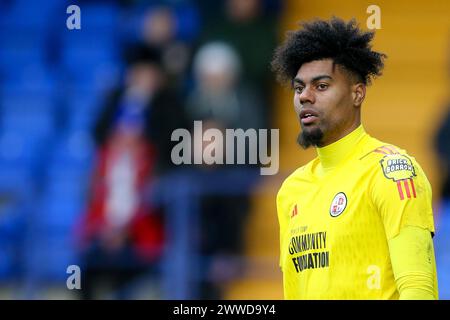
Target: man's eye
x,y
322,86
298,89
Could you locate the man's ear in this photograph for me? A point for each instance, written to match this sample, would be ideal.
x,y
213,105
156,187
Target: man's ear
x,y
358,94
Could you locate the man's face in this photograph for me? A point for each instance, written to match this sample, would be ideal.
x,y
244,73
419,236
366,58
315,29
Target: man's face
x,y
144,78
326,102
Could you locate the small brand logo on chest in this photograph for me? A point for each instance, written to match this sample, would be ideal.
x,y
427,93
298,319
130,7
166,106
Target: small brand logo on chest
x,y
294,211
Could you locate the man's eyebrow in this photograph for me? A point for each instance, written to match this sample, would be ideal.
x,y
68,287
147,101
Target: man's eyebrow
x,y
316,78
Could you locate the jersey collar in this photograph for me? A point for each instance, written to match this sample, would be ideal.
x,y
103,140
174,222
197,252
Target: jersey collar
x,y
331,155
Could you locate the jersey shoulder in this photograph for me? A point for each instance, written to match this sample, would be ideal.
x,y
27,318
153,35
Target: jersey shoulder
x,y
388,160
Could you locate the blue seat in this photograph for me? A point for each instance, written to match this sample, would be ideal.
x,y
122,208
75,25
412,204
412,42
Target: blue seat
x,y
48,256
27,117
34,124
6,261
81,94
60,257
89,37
93,51
22,14
13,58
21,39
83,110
26,102
12,219
98,16
12,228
20,52
89,56
30,79
74,151
60,211
23,152
66,182
82,120
96,67
15,178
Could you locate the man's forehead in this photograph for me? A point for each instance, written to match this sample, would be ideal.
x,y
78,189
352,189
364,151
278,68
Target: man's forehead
x,y
314,68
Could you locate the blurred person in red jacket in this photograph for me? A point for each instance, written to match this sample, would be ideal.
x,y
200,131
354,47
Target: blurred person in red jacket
x,y
122,233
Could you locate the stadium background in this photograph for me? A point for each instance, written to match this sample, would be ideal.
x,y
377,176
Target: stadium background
x,y
49,73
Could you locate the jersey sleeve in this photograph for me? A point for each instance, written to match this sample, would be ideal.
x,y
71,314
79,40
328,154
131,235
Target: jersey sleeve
x,y
401,193
414,264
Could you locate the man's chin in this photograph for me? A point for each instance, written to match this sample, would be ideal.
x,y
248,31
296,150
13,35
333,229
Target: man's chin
x,y
310,137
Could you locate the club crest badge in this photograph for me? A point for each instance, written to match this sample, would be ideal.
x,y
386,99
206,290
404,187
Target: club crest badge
x,y
338,204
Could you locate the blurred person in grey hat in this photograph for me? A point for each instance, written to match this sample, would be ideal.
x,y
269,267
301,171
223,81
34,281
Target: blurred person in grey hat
x,y
220,100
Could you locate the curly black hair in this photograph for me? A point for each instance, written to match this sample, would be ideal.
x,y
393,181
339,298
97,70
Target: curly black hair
x,y
341,41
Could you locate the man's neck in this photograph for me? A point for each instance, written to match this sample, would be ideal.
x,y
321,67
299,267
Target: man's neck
x,y
332,154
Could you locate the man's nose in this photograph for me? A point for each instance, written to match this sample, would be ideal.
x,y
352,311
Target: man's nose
x,y
307,96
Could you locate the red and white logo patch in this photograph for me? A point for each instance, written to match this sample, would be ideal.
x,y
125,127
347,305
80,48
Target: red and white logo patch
x,y
338,204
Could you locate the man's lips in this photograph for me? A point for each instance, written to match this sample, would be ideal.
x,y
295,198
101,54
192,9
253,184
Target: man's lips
x,y
308,116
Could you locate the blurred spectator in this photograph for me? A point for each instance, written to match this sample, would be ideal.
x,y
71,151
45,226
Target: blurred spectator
x,y
219,93
159,30
151,102
221,101
246,26
123,233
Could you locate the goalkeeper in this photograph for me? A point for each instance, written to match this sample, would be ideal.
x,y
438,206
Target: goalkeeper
x,y
357,221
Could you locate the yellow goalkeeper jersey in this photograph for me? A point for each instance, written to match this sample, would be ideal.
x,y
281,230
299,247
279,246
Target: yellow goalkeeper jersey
x,y
338,212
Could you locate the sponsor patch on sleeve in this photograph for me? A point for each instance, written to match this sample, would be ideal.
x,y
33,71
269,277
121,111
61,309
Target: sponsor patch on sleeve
x,y
397,167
